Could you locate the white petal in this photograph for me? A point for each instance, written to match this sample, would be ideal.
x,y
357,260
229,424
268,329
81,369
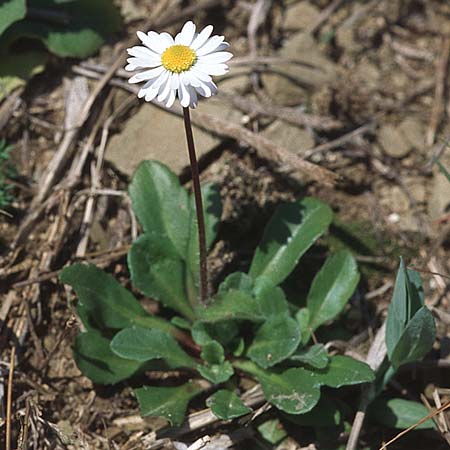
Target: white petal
x,y
213,69
153,41
151,94
167,38
186,34
175,81
193,97
184,96
199,74
142,52
215,58
202,37
171,99
147,75
210,45
186,78
207,89
161,80
223,46
141,63
165,90
147,90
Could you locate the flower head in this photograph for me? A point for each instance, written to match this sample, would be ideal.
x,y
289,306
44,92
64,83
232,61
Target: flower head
x,y
180,67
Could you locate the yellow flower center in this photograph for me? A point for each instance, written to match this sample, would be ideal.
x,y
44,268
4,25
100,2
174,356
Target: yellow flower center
x,y
178,58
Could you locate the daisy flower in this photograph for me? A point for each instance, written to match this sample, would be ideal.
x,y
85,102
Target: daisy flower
x,y
180,67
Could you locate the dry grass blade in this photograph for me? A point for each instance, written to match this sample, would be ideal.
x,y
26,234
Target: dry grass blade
x,y
438,104
420,422
9,399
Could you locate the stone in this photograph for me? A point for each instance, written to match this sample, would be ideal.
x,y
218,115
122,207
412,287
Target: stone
x,y
414,132
298,79
291,137
153,133
439,201
416,187
393,141
300,15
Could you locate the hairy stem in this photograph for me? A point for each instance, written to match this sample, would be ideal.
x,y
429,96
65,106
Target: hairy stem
x,y
198,207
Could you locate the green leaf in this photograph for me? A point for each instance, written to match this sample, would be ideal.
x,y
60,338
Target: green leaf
x,y
78,29
417,339
234,300
96,360
315,356
157,270
213,353
168,402
108,303
324,414
143,344
291,231
302,317
216,373
410,327
271,299
212,211
10,12
406,301
16,69
272,431
399,413
344,371
227,405
216,369
294,391
223,332
275,340
161,204
331,288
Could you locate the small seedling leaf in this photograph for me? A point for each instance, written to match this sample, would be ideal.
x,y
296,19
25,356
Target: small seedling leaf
x,y
344,371
315,356
417,339
275,340
10,12
399,413
272,431
216,373
168,402
227,405
294,391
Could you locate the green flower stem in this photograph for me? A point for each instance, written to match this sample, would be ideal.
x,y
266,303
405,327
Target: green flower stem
x,y
198,207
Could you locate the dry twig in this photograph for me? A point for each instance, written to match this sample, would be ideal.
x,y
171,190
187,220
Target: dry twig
x,y
438,104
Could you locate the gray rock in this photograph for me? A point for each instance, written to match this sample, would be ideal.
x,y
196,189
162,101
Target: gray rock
x,y
393,141
291,137
153,133
439,201
414,132
300,15
317,71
